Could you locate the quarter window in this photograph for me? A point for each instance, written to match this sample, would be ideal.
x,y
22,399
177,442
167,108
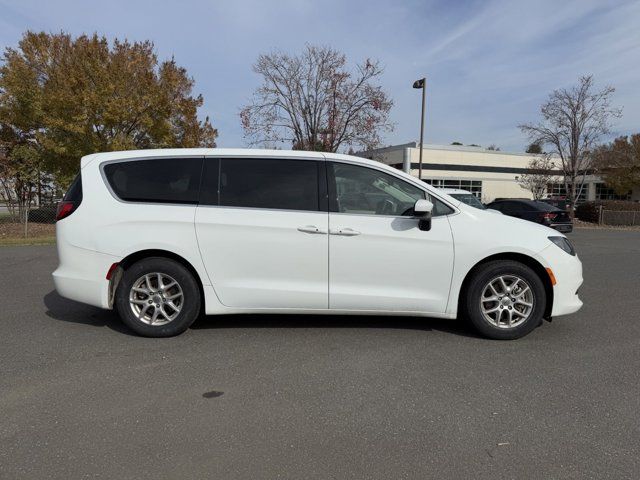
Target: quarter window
x,y
164,180
269,183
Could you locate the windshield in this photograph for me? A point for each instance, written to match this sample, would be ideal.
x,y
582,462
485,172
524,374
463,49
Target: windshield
x,y
469,199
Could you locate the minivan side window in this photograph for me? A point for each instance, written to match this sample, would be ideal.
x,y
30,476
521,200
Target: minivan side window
x,y
361,190
163,180
269,183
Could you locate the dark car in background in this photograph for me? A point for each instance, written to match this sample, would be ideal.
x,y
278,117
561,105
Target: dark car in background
x,y
560,202
538,212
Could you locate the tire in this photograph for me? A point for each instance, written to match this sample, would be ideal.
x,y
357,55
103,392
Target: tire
x,y
492,318
179,302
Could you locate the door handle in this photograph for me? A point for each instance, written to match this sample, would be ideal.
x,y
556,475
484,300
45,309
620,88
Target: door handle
x,y
311,229
345,232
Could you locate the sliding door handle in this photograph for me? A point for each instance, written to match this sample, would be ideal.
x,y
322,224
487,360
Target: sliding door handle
x,y
312,229
345,232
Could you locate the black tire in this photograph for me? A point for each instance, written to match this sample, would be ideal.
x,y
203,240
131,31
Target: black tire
x,y
471,307
190,304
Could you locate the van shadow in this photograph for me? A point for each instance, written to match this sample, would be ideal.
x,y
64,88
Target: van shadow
x,y
424,324
65,310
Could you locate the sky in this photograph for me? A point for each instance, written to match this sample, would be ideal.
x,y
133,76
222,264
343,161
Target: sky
x,y
489,64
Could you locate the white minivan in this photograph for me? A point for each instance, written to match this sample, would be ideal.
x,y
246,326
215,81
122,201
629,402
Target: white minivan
x,y
165,235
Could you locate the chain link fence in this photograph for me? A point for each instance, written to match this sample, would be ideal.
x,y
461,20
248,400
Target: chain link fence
x,y
32,224
619,218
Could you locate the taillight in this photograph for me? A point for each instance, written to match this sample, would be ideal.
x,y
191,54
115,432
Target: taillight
x,y
548,216
65,208
71,200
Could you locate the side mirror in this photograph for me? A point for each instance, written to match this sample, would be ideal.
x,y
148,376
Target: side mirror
x,y
422,210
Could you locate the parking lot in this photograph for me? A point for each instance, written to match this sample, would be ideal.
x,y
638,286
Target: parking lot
x,y
321,397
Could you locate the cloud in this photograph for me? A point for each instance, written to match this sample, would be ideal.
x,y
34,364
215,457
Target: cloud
x,y
489,64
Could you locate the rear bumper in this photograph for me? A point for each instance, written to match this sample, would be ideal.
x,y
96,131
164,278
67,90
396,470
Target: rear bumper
x,y
562,227
81,274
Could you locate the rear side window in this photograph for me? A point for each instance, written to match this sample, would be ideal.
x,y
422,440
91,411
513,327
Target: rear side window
x,y
165,180
269,183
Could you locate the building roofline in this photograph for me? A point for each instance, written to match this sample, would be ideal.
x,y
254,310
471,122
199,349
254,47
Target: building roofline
x,y
453,148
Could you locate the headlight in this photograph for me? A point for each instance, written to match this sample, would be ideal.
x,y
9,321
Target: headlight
x,y
564,244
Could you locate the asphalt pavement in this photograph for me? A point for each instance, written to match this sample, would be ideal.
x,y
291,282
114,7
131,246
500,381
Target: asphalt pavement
x,y
301,397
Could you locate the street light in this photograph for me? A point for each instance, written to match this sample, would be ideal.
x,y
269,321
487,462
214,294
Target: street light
x,y
422,83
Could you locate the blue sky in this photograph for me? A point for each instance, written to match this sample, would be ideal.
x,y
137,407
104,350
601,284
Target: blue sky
x,y
489,64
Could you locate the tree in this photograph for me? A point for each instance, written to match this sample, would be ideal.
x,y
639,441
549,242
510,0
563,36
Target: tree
x,y
573,121
311,101
456,143
66,97
493,147
539,175
534,148
20,179
619,163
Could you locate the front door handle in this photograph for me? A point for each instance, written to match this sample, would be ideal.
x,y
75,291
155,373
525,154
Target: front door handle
x,y
312,229
345,232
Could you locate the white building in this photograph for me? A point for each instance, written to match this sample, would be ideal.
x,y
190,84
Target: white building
x,y
489,174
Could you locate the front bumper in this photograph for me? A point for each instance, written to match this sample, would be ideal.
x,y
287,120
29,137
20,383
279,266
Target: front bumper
x,y
567,270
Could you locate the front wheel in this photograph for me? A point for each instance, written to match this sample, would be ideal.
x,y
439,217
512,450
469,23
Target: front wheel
x,y
158,297
505,300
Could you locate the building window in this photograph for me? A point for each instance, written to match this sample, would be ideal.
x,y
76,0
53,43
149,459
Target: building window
x,y
473,186
605,193
559,190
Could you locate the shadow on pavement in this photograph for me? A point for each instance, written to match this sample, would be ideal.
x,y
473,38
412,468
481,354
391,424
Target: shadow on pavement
x,y
335,321
65,310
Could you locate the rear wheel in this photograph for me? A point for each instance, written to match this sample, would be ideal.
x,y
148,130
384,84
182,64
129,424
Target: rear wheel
x,y
505,300
158,297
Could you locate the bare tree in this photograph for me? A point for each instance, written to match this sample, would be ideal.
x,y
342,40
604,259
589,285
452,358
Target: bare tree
x,y
539,175
573,122
312,102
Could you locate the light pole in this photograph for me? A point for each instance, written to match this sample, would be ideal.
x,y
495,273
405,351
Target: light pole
x,y
422,83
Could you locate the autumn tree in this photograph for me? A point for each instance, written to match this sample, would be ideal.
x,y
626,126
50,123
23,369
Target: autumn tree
x,y
312,101
65,97
538,176
619,163
573,122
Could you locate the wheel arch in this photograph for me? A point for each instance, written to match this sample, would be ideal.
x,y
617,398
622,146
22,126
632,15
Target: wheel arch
x,y
134,257
531,262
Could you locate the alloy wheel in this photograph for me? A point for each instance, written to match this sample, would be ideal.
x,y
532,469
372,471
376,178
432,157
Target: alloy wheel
x,y
507,301
156,298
